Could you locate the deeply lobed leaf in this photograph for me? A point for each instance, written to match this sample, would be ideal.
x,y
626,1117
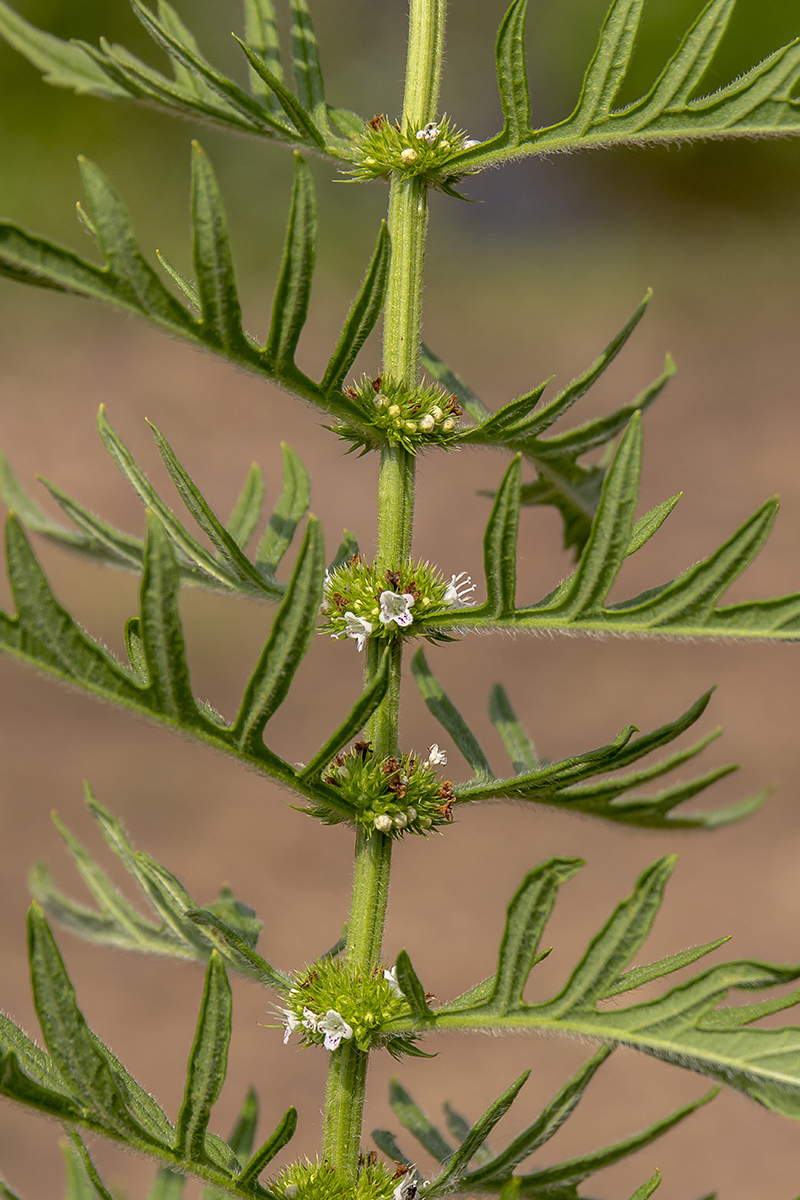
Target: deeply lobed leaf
x,y
683,1026
566,785
687,606
127,281
759,103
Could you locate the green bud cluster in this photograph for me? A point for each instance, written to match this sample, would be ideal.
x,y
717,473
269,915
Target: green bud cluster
x,y
361,602
411,417
394,796
386,146
366,1002
316,1180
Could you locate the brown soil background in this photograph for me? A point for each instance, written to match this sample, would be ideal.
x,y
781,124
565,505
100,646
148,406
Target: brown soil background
x,y
727,433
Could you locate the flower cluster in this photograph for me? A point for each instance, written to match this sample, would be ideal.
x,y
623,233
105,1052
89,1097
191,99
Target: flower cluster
x,y
411,417
360,602
330,1003
316,1180
393,795
385,146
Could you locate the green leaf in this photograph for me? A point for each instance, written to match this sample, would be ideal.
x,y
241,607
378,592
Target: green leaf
x,y
247,510
457,1166
216,285
290,305
171,901
188,288
637,977
237,952
237,916
648,1188
442,374
62,64
261,32
760,102
226,545
460,1127
16,1084
687,606
448,716
527,916
386,1142
301,119
32,260
183,931
348,547
135,280
90,1170
100,539
607,69
411,988
560,1108
188,79
71,1045
244,1131
562,481
355,721
500,546
207,1062
516,414
611,532
31,1059
79,1185
44,634
248,108
676,1027
346,121
363,315
189,548
512,75
140,1104
287,644
122,924
292,506
520,748
412,1118
33,517
273,1145
161,630
573,1172
305,60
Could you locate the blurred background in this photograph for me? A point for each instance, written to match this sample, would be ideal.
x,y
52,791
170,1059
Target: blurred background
x,y
532,281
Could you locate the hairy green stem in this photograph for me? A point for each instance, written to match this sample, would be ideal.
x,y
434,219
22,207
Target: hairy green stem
x,y
408,219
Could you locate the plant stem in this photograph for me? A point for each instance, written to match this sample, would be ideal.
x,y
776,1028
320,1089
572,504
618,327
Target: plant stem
x,y
408,219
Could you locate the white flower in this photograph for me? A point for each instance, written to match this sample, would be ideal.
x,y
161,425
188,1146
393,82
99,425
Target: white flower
x,y
310,1019
383,822
408,1186
335,1028
391,978
458,589
395,607
292,1022
436,757
427,423
357,628
429,133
